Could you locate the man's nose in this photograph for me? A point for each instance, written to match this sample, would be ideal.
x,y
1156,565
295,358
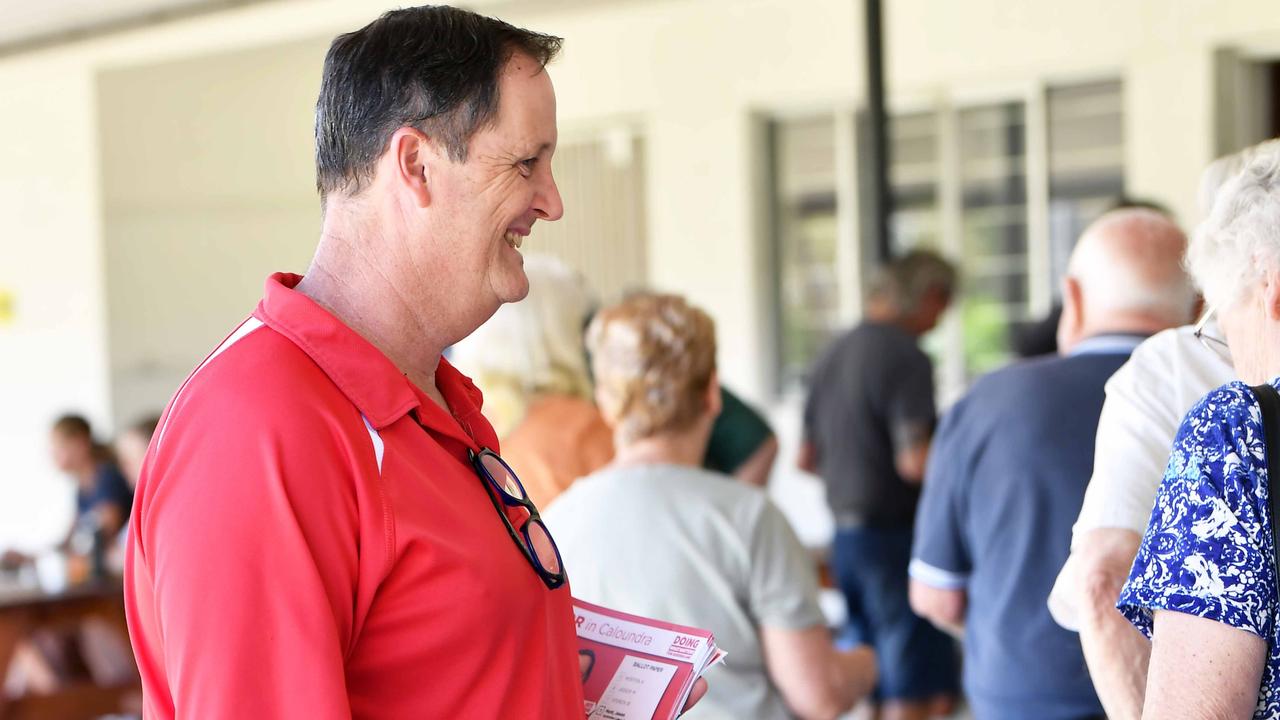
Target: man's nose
x,y
547,202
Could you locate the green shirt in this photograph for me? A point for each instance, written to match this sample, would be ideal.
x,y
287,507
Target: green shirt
x,y
737,434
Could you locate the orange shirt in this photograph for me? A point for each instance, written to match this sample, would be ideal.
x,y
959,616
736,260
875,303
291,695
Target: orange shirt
x,y
310,541
560,439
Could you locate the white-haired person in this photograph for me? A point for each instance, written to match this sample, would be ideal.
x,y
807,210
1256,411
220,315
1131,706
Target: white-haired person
x,y
1010,464
1203,585
1146,401
657,535
530,362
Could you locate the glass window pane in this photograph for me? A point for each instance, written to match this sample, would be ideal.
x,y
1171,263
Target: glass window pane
x,y
1086,163
804,156
993,198
913,182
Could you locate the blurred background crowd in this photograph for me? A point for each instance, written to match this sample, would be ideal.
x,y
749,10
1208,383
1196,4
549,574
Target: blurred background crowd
x,y
829,316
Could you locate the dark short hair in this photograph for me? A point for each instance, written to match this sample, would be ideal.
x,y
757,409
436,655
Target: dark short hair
x,y
73,425
435,68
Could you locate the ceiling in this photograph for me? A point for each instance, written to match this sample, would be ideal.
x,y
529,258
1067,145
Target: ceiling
x,y
28,24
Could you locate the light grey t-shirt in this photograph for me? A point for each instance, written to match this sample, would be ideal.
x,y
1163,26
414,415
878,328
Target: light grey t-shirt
x,y
697,548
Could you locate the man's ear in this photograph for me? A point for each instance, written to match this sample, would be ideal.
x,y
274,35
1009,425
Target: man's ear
x,y
1071,324
410,155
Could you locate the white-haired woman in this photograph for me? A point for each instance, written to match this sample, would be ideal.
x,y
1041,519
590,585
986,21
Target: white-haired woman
x,y
530,362
655,534
1204,582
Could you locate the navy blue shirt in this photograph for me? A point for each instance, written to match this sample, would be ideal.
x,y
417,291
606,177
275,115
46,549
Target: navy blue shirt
x,y
110,487
1005,481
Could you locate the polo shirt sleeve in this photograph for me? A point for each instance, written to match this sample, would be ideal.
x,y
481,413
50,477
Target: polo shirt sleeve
x,y
1208,549
940,554
250,538
910,405
783,582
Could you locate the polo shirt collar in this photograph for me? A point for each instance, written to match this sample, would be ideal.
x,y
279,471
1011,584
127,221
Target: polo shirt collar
x,y
463,420
1108,344
378,389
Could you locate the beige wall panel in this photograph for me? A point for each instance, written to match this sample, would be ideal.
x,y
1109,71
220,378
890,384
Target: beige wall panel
x,y
53,351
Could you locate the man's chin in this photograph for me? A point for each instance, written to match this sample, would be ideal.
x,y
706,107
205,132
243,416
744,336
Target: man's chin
x,y
513,289
519,295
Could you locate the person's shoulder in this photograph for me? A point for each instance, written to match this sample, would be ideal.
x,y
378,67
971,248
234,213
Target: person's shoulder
x,y
259,382
586,491
1225,424
1227,406
1167,348
877,338
1154,358
1045,370
107,470
842,345
1219,448
1025,386
1165,343
697,494
745,503
568,412
711,480
1013,379
690,488
261,367
565,507
108,475
589,503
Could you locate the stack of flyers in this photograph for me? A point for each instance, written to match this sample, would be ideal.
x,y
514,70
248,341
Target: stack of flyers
x,y
634,668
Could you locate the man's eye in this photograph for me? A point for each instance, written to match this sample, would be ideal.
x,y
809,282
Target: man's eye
x,y
528,163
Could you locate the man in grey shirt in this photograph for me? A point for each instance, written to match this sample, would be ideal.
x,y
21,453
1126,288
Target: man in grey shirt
x,y
867,423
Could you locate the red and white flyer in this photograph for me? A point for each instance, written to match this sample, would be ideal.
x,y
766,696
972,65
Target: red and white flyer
x,y
635,668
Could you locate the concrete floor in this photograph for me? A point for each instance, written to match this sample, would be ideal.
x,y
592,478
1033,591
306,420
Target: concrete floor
x,y
863,712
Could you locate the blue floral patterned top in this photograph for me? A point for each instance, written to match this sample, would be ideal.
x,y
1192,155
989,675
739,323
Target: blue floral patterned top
x,y
1208,550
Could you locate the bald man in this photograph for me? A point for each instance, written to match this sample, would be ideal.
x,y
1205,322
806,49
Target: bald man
x,y
1146,402
1009,468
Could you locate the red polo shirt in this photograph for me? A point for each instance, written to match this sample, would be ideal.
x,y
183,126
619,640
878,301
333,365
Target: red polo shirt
x,y
302,547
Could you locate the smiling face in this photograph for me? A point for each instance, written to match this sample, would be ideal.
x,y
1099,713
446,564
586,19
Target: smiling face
x,y
488,205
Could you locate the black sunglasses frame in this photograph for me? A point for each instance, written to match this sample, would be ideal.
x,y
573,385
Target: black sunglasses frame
x,y
551,579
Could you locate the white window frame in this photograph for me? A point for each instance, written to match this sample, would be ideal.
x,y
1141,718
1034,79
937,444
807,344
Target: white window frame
x,y
854,262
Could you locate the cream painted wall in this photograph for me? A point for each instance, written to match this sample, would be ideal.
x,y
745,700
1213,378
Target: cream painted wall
x,y
218,166
53,356
694,73
208,181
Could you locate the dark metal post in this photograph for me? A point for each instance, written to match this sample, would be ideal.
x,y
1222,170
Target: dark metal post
x,y
879,200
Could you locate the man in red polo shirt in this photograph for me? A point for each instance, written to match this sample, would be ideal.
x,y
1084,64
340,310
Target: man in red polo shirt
x,y
319,532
